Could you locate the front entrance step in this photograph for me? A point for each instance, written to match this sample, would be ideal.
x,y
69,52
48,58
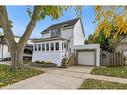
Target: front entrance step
x,y
71,60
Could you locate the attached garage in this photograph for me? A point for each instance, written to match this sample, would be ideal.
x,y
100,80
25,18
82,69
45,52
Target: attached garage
x,y
86,57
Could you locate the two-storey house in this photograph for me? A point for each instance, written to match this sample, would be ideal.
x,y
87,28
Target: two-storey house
x,y
63,44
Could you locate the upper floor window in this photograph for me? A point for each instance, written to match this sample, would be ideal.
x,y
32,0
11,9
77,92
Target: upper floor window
x,y
43,47
39,47
55,32
47,46
52,46
35,47
57,46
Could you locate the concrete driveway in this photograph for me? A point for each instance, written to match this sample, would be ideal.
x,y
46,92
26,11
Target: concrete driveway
x,y
55,78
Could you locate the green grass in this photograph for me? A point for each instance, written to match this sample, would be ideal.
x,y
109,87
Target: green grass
x,y
111,71
8,77
99,84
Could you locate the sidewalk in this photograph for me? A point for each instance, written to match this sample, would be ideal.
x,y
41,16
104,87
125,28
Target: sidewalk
x,y
82,73
60,78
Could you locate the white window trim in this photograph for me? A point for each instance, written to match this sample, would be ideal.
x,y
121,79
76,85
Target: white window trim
x,y
55,46
44,46
36,48
40,47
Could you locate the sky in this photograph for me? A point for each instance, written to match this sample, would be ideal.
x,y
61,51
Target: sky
x,y
20,19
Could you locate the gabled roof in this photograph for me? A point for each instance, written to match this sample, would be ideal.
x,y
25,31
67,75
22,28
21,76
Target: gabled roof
x,y
65,23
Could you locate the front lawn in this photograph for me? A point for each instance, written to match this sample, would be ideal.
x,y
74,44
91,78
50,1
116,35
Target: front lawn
x,y
99,84
111,71
8,77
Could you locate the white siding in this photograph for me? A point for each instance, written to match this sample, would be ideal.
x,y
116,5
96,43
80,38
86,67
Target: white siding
x,y
68,33
0,50
52,56
78,34
17,40
47,35
29,42
6,53
122,47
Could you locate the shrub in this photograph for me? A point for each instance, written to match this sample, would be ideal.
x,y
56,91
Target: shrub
x,y
37,61
48,62
43,62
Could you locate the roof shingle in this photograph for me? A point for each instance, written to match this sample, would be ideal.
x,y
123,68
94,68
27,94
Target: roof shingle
x,y
67,23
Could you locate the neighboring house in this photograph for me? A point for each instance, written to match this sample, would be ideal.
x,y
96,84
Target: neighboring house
x,y
122,47
63,44
5,52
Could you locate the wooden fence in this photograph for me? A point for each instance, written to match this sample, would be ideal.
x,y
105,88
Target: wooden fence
x,y
112,59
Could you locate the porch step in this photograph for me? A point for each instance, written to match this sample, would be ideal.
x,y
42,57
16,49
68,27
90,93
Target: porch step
x,y
68,61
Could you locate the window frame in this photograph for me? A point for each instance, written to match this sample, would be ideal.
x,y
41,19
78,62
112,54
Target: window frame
x,y
55,32
57,48
52,48
35,47
47,49
43,46
39,47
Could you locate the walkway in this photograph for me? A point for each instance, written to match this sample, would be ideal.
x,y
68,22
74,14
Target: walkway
x,y
62,78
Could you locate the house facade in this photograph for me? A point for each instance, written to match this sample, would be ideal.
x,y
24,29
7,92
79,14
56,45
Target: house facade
x,y
5,52
64,41
122,47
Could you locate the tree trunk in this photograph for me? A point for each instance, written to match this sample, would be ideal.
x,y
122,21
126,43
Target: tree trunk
x,y
17,58
17,49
